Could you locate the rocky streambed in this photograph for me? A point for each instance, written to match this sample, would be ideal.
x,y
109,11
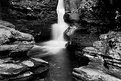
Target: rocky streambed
x,y
104,60
93,35
15,64
22,60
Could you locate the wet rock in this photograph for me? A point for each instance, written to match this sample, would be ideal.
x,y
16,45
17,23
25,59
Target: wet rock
x,y
37,51
24,70
7,24
13,41
90,18
15,63
30,16
69,31
104,57
80,38
90,74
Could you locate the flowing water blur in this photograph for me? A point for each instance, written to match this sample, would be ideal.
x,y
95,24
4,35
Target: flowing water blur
x,y
57,42
55,51
60,67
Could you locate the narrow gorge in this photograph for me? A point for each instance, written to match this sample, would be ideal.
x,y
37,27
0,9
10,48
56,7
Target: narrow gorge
x,y
60,40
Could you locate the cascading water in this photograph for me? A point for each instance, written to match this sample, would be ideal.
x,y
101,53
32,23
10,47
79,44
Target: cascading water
x,y
61,26
54,51
57,42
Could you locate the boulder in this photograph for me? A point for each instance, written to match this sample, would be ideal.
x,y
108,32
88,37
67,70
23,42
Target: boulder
x,y
13,41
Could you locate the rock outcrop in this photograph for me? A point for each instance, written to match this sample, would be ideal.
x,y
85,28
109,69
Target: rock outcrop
x,y
105,59
13,41
79,38
89,11
30,16
88,19
7,24
22,70
15,64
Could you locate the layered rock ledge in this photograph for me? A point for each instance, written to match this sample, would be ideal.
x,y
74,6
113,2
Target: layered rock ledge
x,y
88,19
15,64
105,57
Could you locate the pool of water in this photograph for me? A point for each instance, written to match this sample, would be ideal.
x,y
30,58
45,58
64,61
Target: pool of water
x,y
61,61
60,66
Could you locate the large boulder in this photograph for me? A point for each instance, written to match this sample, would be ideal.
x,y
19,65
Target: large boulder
x,y
13,41
105,59
30,16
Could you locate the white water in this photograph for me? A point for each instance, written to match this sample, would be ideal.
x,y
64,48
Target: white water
x,y
61,26
57,43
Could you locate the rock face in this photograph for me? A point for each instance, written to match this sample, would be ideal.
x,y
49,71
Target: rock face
x,y
30,16
88,19
13,41
15,64
7,24
88,74
90,11
22,70
80,38
105,58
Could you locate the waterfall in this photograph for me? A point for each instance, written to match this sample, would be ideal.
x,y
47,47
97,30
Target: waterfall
x,y
59,28
57,42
